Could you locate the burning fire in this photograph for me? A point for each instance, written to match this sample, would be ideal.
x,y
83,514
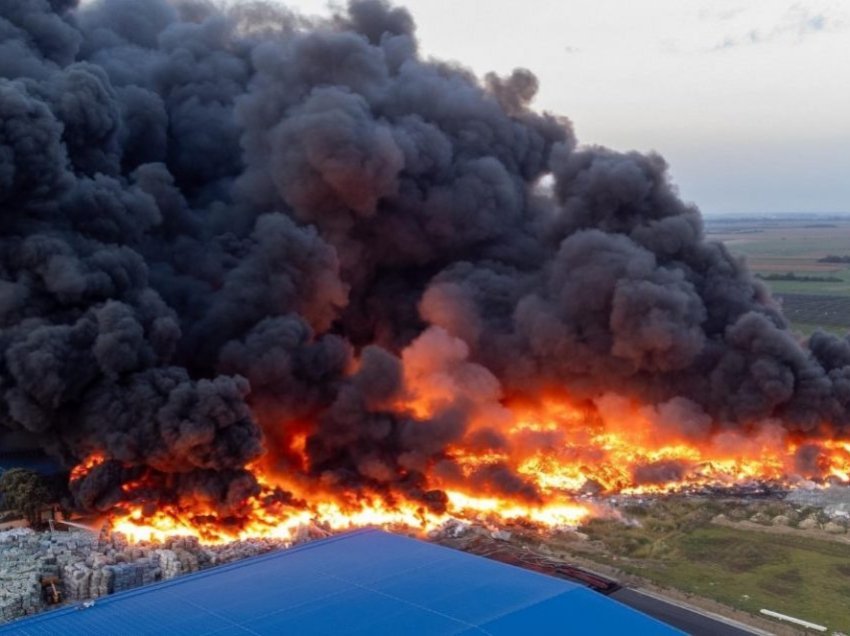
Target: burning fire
x,y
81,470
562,451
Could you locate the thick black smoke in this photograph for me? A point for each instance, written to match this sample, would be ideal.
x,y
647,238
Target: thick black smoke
x,y
221,226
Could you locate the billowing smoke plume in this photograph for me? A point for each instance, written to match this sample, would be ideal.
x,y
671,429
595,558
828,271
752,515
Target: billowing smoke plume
x,y
222,227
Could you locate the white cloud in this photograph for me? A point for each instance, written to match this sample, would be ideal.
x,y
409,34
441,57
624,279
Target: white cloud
x,y
796,23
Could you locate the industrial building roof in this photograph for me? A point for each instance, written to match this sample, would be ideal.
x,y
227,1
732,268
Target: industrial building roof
x,y
366,582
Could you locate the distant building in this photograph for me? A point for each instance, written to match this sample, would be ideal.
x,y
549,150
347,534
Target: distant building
x,y
366,582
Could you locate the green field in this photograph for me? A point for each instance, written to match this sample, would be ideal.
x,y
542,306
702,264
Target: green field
x,y
825,288
749,570
807,329
779,246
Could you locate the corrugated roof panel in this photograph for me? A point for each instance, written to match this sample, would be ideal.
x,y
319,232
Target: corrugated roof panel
x,y
366,582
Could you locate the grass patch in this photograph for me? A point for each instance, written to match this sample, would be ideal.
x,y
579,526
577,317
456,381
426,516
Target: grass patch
x,y
816,309
807,329
783,583
735,554
840,287
749,570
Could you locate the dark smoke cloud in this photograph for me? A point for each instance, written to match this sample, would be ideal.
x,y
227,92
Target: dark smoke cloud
x,y
660,472
222,226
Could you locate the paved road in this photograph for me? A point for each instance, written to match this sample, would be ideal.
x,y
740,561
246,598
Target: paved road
x,y
680,617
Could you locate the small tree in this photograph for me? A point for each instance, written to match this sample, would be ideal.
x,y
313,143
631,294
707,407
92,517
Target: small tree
x,y
25,491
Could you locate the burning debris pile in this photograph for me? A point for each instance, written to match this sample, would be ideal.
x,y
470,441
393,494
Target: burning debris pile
x,y
256,267
834,503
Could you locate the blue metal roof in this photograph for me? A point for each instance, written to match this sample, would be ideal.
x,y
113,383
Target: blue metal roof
x,y
366,582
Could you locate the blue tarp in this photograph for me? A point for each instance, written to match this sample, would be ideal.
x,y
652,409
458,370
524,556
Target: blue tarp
x,y
367,582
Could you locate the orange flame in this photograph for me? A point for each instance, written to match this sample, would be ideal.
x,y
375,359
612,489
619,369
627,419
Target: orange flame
x,y
537,462
558,448
81,470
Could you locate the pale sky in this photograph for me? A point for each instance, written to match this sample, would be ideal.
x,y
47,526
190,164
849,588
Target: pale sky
x,y
748,100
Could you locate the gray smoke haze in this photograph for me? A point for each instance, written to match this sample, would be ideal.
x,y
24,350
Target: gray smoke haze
x,y
222,226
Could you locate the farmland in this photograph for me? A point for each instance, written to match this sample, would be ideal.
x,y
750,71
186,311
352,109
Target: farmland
x,y
788,254
689,545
